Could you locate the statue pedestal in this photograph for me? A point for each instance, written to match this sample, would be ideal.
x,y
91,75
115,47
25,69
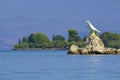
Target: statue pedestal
x,y
94,45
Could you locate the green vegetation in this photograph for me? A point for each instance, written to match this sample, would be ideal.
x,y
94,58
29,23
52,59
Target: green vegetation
x,y
111,39
58,37
40,40
73,36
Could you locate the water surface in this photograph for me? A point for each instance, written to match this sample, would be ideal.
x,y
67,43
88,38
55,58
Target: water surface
x,y
57,65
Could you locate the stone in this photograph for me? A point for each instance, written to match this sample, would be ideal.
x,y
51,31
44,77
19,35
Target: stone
x,y
84,51
74,49
94,41
118,51
94,45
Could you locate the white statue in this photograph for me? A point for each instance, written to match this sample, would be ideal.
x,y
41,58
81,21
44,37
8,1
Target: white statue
x,y
92,28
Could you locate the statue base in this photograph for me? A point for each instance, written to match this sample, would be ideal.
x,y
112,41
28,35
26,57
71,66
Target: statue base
x,y
94,45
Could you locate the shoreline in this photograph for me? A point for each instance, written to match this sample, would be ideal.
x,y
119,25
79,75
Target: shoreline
x,y
42,49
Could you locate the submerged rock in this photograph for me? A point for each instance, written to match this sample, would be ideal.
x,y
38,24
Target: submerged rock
x,y
94,45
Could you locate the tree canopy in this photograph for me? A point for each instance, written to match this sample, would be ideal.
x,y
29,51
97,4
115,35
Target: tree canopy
x,y
73,35
59,37
40,40
111,39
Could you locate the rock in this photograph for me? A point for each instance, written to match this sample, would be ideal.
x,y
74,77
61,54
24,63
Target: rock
x,y
94,41
94,45
112,51
118,51
74,50
84,51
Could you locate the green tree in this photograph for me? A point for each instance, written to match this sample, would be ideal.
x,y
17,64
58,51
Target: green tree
x,y
21,46
47,45
59,37
73,36
77,39
84,39
58,44
72,33
106,37
114,44
19,41
53,37
110,39
31,38
38,38
24,40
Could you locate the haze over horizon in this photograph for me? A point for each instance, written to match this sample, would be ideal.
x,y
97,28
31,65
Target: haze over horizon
x,y
20,18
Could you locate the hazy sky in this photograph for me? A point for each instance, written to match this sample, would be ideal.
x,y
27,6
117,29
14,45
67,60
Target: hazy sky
x,y
19,18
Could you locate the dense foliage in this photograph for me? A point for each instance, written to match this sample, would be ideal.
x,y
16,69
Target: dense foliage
x,y
111,39
73,36
58,37
40,40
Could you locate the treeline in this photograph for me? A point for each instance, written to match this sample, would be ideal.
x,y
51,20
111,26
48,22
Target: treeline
x,y
111,39
40,40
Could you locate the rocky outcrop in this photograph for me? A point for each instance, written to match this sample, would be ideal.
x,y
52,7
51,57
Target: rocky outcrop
x,y
94,45
74,49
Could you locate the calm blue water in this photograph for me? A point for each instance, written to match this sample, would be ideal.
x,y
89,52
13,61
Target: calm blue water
x,y
57,65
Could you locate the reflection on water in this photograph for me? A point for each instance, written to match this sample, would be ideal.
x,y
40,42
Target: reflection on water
x,y
57,65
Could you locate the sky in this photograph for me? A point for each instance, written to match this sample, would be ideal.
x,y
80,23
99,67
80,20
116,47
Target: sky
x,y
19,18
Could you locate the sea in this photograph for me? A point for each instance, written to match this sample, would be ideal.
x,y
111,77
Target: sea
x,y
57,65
